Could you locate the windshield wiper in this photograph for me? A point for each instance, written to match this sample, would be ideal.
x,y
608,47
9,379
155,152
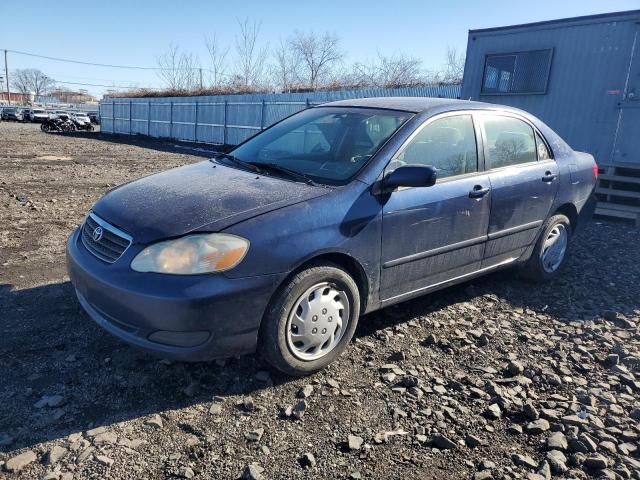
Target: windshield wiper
x,y
285,170
237,161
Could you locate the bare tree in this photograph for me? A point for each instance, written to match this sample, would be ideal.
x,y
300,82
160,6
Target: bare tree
x,y
454,66
392,71
251,57
217,56
285,73
30,80
179,70
318,54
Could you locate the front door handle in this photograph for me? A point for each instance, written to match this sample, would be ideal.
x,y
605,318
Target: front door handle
x,y
479,191
549,177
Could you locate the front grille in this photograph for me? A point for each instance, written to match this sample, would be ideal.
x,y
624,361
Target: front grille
x,y
110,245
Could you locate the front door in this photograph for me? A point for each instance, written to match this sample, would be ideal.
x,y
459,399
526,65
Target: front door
x,y
434,234
524,183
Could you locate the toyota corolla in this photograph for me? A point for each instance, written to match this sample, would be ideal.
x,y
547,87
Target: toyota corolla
x,y
283,243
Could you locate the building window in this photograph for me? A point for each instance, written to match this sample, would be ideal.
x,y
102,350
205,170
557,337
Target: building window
x,y
517,73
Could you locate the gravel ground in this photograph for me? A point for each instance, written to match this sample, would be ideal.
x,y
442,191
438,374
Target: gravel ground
x,y
495,378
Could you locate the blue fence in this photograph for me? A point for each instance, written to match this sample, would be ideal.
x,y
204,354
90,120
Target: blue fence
x,y
228,119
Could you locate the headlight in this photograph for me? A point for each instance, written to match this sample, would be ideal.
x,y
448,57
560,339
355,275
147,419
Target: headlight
x,y
193,254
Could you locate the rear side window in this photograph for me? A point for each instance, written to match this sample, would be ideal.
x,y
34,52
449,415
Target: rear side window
x,y
543,151
448,144
510,141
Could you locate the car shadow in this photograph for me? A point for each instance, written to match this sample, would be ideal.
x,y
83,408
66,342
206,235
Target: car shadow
x,y
159,144
50,347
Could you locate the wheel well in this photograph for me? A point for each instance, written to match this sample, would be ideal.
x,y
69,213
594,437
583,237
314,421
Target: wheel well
x,y
350,265
570,211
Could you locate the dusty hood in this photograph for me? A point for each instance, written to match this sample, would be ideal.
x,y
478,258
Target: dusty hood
x,y
203,196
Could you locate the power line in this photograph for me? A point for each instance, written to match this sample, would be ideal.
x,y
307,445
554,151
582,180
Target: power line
x,y
93,84
57,59
81,62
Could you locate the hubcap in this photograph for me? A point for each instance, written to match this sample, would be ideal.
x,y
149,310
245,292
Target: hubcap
x,y
554,248
317,321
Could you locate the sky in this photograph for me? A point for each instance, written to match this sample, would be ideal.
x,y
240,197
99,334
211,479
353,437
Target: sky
x,y
135,33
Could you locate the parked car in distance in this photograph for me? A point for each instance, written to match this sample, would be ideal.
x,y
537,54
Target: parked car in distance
x,y
11,113
94,117
81,121
283,243
38,115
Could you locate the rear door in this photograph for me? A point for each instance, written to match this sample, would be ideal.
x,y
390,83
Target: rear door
x,y
524,183
434,234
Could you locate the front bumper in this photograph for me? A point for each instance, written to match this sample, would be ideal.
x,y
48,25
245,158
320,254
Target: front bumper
x,y
187,318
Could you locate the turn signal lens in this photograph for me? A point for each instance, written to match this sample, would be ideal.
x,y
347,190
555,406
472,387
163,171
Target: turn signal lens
x,y
595,171
193,254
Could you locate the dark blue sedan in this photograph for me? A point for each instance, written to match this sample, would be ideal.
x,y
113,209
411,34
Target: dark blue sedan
x,y
283,243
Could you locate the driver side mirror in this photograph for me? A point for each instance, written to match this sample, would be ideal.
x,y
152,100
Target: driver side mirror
x,y
411,176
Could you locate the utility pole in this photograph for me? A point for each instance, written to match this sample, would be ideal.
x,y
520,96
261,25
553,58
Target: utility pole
x,y
6,72
200,78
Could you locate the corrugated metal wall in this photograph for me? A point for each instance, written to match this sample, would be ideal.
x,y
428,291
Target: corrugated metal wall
x,y
594,77
228,119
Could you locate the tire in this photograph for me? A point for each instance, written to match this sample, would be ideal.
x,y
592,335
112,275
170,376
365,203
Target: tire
x,y
44,127
321,284
543,269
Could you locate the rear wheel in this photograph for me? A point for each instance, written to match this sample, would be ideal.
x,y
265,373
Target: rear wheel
x,y
550,252
310,320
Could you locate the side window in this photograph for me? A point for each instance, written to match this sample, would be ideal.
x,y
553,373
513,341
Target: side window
x,y
510,141
448,144
541,147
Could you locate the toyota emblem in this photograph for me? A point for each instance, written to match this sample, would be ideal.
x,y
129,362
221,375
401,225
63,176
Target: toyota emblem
x,y
97,234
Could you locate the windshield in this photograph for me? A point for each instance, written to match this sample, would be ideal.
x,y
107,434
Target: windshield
x,y
38,111
328,144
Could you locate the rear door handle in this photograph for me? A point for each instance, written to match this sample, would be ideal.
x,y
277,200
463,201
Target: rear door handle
x,y
549,177
478,191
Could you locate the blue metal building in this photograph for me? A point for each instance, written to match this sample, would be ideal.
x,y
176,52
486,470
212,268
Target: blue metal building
x,y
582,77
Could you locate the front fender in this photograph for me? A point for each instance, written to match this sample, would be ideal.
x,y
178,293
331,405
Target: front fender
x,y
347,221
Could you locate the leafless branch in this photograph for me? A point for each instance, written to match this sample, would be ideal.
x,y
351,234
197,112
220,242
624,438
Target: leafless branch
x,y
318,54
30,80
217,56
251,58
454,66
392,71
178,70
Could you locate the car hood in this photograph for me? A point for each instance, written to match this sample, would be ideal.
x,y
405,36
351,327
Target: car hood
x,y
203,196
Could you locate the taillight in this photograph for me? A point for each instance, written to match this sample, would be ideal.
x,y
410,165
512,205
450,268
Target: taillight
x,y
595,170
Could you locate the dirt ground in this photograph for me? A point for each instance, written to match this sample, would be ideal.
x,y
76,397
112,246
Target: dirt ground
x,y
496,378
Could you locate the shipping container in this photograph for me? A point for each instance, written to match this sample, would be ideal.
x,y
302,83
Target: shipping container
x,y
579,75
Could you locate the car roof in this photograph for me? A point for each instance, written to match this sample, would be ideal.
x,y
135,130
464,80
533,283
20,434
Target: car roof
x,y
409,104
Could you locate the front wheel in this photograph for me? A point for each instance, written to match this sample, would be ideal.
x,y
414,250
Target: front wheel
x,y
550,252
310,320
